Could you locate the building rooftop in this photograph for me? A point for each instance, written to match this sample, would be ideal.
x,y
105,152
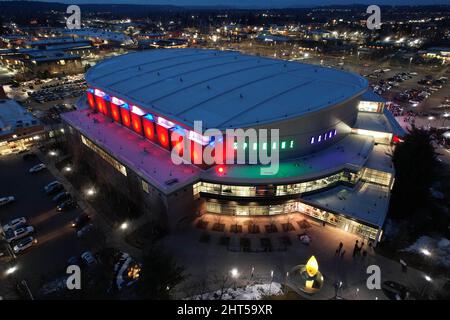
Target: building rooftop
x,y
373,121
13,115
351,152
366,202
148,160
369,95
223,88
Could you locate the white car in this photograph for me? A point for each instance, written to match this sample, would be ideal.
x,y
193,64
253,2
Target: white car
x,y
6,200
14,224
24,244
37,168
19,233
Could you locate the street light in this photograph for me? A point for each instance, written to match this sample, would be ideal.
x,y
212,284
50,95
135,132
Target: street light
x,y
426,252
68,169
11,270
90,192
124,226
428,278
234,274
271,279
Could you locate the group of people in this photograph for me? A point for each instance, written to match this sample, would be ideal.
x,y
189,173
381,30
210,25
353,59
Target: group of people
x,y
358,250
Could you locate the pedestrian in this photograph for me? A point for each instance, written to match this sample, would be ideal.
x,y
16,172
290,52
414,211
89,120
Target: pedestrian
x,y
337,252
340,246
355,250
342,254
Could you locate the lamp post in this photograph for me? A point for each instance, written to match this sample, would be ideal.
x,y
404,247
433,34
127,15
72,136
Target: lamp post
x,y
445,116
234,274
428,280
285,283
271,279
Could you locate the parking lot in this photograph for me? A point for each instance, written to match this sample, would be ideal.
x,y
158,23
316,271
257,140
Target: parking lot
x,y
57,240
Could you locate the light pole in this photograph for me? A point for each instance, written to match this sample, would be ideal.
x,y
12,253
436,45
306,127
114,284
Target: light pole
x,y
445,116
428,280
234,274
271,279
285,283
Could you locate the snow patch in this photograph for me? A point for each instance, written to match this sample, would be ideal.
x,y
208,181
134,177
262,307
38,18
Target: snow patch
x,y
251,292
439,249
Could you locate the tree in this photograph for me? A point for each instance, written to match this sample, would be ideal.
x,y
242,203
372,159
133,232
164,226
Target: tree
x,y
159,275
415,162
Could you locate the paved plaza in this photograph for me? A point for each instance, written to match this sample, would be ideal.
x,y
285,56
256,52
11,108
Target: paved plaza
x,y
212,260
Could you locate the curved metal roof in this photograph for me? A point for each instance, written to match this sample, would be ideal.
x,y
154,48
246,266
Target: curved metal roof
x,y
222,88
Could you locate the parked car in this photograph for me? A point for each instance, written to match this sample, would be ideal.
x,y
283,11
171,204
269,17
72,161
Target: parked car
x,y
62,196
6,200
19,233
74,260
67,205
37,168
81,221
85,230
88,258
24,244
14,224
53,187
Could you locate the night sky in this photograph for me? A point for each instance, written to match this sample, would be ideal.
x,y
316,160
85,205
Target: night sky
x,y
260,3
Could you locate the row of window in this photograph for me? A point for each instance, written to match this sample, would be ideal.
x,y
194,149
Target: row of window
x,y
283,145
280,190
323,137
340,221
116,164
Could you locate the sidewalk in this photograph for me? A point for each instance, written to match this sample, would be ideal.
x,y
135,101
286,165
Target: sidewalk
x,y
114,237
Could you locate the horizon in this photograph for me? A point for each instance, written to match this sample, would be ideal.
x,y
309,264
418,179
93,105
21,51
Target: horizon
x,y
251,4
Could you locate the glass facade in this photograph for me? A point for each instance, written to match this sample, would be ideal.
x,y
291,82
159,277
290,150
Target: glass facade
x,y
279,190
370,106
377,177
253,209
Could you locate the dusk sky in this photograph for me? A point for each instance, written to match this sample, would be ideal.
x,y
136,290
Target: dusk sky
x,y
263,3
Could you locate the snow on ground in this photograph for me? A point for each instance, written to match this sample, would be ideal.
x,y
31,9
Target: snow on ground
x,y
251,292
439,249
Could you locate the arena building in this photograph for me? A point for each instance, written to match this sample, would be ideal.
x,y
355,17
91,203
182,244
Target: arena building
x,y
334,145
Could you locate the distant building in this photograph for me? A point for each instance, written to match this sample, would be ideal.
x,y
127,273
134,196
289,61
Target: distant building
x,y
441,53
101,37
36,62
19,129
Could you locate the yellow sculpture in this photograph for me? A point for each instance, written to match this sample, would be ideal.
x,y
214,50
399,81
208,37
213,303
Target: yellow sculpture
x,y
312,267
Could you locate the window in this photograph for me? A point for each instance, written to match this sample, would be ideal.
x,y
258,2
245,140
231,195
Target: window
x,y
116,164
145,186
